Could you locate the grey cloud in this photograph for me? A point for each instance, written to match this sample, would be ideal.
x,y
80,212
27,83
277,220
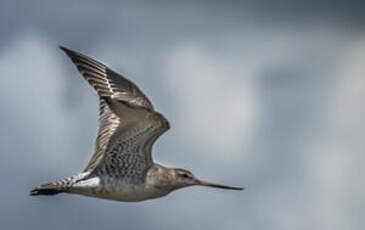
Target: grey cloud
x,y
291,58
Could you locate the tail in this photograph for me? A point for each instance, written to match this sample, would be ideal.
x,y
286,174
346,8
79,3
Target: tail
x,y
47,189
60,186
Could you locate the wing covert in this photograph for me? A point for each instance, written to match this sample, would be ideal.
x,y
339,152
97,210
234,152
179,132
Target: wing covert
x,y
128,125
128,152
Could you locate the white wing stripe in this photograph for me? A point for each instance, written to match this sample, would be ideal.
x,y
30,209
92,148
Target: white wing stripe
x,y
87,68
97,81
87,61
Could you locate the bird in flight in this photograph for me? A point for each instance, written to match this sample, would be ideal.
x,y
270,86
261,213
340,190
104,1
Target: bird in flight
x,y
122,168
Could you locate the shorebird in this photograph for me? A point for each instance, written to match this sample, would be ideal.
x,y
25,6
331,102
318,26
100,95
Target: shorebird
x,y
122,168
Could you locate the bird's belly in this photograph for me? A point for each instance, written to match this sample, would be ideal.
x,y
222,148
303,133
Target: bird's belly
x,y
132,194
129,193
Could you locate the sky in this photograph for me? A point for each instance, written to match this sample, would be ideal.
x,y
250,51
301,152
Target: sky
x,y
267,95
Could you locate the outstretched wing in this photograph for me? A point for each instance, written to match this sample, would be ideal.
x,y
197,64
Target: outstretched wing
x,y
128,124
106,82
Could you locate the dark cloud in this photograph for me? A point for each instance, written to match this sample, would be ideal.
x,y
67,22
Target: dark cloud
x,y
137,23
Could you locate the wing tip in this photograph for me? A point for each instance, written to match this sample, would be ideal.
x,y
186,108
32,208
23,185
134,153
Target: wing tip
x,y
76,56
62,47
68,51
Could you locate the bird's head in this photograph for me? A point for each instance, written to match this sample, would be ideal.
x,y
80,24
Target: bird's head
x,y
183,178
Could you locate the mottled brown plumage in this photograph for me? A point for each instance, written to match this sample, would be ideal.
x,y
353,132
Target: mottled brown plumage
x,y
121,167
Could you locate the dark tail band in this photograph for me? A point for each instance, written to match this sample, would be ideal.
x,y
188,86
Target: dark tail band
x,y
44,191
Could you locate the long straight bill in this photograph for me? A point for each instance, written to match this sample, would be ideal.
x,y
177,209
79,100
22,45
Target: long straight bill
x,y
208,184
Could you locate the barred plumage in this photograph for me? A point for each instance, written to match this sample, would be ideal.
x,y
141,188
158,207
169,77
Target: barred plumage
x,y
121,167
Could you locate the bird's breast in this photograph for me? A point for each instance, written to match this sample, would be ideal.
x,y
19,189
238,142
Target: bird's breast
x,y
122,191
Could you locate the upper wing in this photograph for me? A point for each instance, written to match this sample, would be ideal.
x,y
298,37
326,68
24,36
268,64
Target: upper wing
x,y
107,82
128,153
108,123
124,111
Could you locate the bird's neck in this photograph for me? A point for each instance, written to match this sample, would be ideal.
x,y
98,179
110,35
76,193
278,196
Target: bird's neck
x,y
161,177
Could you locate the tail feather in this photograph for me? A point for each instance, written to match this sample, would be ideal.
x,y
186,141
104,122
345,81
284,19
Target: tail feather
x,y
44,191
63,185
47,189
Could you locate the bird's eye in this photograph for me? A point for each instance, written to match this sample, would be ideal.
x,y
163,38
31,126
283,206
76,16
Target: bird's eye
x,y
185,175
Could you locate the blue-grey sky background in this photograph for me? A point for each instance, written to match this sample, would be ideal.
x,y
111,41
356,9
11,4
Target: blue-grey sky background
x,y
268,95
